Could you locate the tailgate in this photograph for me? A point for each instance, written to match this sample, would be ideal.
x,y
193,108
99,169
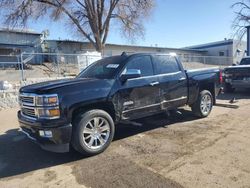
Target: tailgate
x,y
238,72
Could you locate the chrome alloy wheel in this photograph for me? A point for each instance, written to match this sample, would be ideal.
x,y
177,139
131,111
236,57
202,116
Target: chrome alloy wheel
x,y
96,133
206,104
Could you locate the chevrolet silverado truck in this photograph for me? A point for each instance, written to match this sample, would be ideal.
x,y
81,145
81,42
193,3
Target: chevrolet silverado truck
x,y
81,113
237,76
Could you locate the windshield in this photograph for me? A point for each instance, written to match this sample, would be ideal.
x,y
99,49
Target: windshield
x,y
103,69
245,61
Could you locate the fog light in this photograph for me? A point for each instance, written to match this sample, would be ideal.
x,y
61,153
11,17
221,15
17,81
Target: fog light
x,y
47,134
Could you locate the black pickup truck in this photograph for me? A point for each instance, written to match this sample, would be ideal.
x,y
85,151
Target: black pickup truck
x,y
237,76
82,112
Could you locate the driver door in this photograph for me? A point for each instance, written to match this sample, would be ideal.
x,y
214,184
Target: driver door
x,y
139,97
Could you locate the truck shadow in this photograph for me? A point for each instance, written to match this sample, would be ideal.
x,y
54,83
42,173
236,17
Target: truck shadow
x,y
19,155
153,122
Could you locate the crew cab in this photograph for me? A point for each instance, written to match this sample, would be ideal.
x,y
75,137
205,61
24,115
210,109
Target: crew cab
x,y
83,112
237,76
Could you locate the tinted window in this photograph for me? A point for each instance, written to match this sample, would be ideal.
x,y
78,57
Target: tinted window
x,y
143,63
166,64
103,69
245,61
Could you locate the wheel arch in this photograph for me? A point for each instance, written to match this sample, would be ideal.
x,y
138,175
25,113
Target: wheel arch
x,y
105,106
211,88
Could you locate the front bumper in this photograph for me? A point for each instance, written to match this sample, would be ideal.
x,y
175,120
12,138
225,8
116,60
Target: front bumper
x,y
59,141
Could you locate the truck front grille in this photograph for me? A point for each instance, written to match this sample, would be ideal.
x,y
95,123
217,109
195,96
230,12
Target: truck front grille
x,y
27,99
28,112
27,104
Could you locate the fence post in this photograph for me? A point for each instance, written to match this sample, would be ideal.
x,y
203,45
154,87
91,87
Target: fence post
x,y
18,63
58,68
22,67
87,62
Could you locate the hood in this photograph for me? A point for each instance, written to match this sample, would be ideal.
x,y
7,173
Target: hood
x,y
66,85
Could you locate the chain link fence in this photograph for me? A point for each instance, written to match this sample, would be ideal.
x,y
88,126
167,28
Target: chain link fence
x,y
196,62
28,68
55,65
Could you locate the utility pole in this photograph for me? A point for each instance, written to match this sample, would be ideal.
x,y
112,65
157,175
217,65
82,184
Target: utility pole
x,y
248,40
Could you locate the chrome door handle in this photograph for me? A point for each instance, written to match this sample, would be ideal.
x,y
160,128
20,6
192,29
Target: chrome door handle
x,y
154,83
181,79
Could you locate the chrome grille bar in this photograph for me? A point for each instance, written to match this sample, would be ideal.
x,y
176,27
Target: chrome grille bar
x,y
29,111
27,99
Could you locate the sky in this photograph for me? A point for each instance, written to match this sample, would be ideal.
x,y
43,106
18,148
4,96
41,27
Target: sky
x,y
173,23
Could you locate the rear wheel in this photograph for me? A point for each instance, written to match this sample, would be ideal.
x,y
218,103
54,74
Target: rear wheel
x,y
204,104
93,132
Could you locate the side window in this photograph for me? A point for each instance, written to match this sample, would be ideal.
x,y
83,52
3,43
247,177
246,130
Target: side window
x,y
166,64
143,63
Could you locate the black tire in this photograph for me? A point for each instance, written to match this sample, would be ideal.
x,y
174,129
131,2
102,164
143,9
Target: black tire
x,y
197,106
228,88
80,123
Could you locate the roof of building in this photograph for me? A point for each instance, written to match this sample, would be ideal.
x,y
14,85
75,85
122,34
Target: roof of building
x,y
212,44
22,31
15,45
130,46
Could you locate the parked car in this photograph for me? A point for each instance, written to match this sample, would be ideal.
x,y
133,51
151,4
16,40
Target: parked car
x,y
237,76
82,112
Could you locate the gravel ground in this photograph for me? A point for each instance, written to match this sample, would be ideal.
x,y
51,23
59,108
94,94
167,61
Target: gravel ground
x,y
180,151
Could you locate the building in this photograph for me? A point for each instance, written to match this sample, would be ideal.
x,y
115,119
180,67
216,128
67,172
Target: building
x,y
229,48
15,42
76,47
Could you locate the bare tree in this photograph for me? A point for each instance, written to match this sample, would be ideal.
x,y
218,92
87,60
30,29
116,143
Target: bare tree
x,y
242,19
91,18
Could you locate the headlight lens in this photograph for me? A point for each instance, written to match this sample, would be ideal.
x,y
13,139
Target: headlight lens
x,y
48,106
50,113
47,100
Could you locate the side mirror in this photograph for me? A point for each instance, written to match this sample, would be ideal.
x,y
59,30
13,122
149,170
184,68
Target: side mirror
x,y
234,64
130,73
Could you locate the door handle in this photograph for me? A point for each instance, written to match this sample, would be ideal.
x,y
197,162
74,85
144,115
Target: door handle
x,y
154,83
181,79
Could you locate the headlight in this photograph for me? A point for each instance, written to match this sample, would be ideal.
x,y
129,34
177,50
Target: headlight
x,y
48,113
47,100
48,106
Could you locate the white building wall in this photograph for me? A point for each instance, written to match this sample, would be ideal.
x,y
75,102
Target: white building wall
x,y
18,38
239,50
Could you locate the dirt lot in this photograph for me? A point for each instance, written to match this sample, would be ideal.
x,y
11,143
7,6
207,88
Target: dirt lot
x,y
181,151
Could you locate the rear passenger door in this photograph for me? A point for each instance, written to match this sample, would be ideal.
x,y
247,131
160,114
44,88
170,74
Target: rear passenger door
x,y
172,81
140,96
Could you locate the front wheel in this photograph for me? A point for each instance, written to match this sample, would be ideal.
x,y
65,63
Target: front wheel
x,y
204,104
93,132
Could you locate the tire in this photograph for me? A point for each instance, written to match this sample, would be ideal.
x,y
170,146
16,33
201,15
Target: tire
x,y
204,104
93,132
228,88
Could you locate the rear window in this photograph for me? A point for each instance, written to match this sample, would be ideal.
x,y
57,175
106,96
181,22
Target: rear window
x,y
166,64
245,61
